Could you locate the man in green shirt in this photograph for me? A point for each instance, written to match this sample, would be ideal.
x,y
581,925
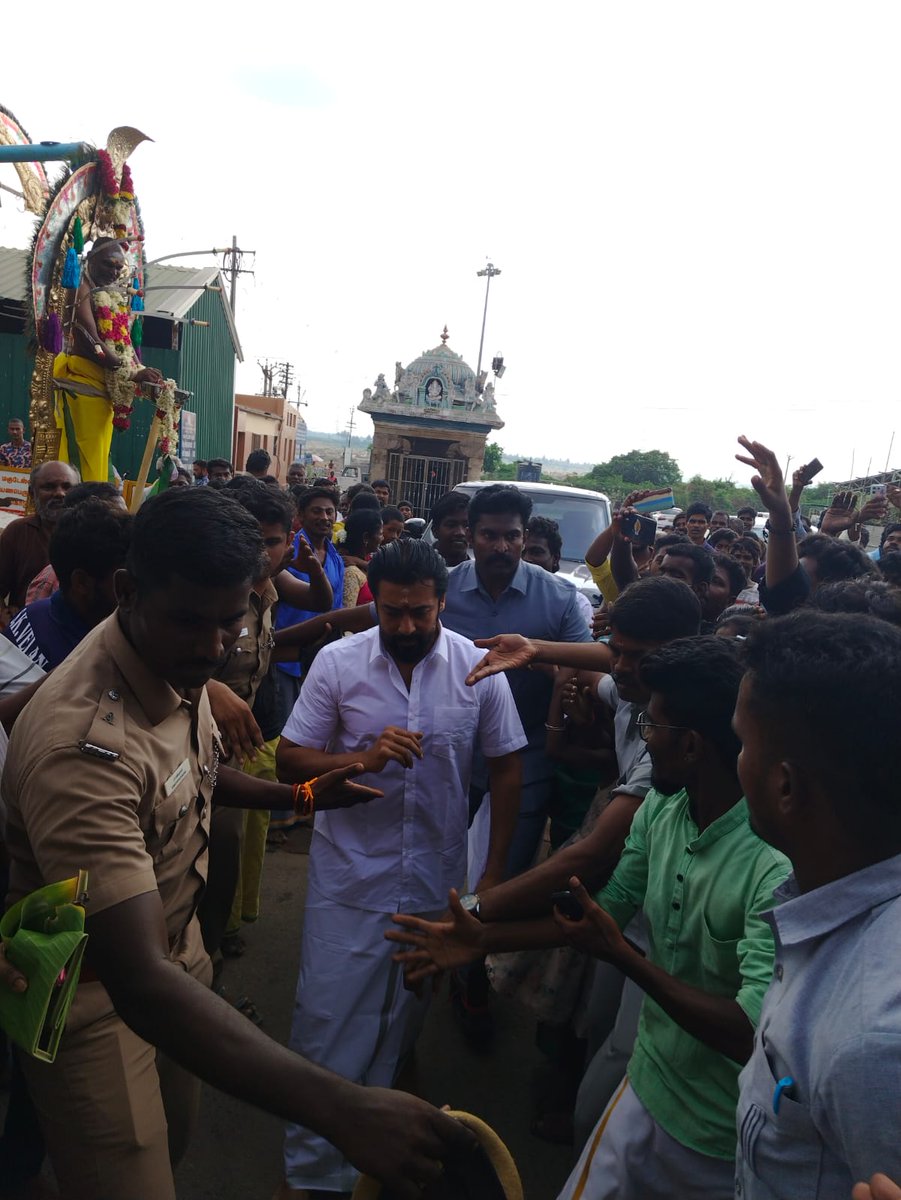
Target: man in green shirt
x,y
702,877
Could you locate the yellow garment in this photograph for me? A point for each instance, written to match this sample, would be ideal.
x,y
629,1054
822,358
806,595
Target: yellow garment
x,y
246,904
604,581
88,420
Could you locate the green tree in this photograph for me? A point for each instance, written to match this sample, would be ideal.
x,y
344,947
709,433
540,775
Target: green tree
x,y
491,463
654,467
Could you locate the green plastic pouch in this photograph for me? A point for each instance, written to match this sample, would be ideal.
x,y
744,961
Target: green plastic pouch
x,y
43,936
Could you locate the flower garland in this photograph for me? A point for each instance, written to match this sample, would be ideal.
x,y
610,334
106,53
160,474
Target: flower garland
x,y
168,411
112,310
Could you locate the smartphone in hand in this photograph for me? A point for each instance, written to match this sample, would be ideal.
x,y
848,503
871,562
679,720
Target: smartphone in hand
x,y
568,905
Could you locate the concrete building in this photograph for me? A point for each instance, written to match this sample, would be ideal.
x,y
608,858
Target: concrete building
x,y
266,423
431,429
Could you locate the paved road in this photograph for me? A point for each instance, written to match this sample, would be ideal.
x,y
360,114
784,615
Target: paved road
x,y
235,1154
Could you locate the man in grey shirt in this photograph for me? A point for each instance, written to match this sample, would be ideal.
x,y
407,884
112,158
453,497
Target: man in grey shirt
x,y
820,1103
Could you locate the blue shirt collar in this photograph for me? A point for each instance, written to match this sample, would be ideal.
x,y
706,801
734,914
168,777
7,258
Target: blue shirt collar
x,y
470,581
814,914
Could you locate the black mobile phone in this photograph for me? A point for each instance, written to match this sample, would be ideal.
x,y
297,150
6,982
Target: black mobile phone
x,y
641,531
813,468
568,905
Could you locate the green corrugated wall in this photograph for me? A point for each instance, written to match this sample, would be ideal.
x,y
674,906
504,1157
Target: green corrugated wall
x,y
15,379
208,370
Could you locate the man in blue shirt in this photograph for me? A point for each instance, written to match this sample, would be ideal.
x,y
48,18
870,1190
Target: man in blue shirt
x,y
317,516
88,547
820,1103
496,592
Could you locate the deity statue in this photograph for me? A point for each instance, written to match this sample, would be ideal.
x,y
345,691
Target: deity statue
x,y
87,288
434,393
381,390
488,395
94,379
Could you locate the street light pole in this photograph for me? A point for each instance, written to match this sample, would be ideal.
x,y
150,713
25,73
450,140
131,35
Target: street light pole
x,y
489,272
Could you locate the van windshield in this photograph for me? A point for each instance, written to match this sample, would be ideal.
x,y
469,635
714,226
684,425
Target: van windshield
x,y
580,518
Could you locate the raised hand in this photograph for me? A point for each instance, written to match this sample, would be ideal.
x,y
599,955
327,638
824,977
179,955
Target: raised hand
x,y
506,652
893,494
597,933
874,509
840,515
768,482
393,745
305,559
578,700
334,789
436,946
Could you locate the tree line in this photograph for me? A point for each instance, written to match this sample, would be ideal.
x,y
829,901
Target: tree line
x,y
624,473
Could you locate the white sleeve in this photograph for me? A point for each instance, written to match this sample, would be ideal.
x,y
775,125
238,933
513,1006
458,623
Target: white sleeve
x,y
500,729
314,719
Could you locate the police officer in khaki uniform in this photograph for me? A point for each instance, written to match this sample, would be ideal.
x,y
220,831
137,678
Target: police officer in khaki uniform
x,y
238,836
112,768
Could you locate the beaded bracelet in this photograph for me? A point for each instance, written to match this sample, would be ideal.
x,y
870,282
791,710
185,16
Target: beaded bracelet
x,y
304,801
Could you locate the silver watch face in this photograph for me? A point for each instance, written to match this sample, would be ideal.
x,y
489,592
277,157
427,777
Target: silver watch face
x,y
469,902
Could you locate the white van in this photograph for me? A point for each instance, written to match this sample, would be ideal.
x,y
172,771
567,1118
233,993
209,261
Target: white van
x,y
581,515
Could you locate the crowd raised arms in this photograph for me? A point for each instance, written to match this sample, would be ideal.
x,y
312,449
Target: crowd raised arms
x,y
670,821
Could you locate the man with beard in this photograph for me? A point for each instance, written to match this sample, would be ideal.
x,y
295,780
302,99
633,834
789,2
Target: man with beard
x,y
394,699
25,544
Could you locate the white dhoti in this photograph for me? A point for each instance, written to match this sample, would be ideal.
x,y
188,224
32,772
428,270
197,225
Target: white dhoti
x,y
353,1015
630,1157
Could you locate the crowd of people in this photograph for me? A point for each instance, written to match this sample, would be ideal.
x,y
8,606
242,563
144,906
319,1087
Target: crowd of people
x,y
667,823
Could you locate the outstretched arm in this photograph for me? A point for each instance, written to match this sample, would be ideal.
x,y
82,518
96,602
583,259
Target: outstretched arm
x,y
718,1021
782,549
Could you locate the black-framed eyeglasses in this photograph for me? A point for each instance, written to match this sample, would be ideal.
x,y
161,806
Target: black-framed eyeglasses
x,y
644,724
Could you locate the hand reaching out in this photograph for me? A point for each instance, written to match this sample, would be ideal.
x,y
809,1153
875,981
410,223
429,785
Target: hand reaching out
x,y
768,483
334,789
435,946
506,652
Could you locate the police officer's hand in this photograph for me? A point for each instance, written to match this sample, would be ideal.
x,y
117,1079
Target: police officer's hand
x,y
241,736
400,1140
11,978
393,745
334,789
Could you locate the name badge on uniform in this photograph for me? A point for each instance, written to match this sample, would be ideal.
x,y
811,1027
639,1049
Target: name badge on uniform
x,y
177,776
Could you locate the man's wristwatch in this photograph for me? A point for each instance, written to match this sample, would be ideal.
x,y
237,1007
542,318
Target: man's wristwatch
x,y
472,904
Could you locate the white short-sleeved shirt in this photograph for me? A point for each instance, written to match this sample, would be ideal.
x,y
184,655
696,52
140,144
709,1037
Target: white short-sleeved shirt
x,y
404,851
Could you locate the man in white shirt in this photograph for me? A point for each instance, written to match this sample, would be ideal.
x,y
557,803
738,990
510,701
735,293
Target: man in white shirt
x,y
394,699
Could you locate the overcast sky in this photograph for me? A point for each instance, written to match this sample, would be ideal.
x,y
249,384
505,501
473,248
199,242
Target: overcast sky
x,y
696,207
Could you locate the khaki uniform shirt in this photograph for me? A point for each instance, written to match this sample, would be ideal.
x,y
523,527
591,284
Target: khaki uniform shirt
x,y
248,660
112,770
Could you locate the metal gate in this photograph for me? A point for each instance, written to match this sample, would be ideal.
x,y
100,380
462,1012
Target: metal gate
x,y
421,480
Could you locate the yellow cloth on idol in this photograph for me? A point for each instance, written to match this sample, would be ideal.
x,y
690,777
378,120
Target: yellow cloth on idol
x,y
85,420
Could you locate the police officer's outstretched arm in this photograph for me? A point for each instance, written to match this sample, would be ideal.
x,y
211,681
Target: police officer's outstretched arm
x,y
393,1136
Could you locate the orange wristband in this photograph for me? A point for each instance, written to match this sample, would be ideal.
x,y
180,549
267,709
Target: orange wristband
x,y
304,801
